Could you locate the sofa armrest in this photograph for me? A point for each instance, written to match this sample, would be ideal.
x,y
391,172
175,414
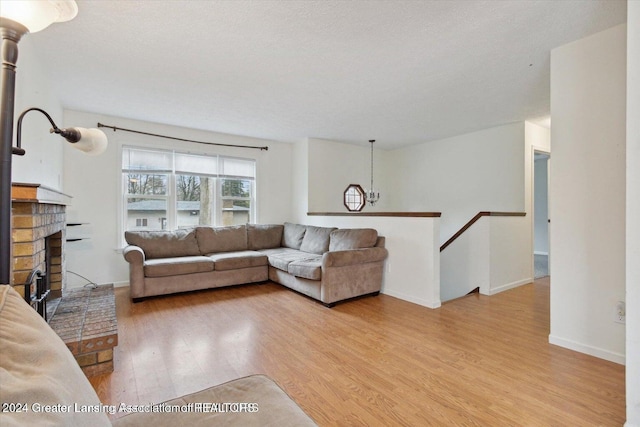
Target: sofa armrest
x,y
134,254
353,256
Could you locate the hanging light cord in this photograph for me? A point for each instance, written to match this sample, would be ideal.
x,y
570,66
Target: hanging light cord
x,y
372,141
115,128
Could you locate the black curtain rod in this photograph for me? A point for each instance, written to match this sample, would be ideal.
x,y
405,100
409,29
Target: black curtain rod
x,y
115,128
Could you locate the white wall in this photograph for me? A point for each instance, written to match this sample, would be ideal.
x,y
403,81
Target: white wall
x,y
43,162
460,176
493,254
332,166
94,182
587,195
465,264
300,180
489,170
511,261
633,214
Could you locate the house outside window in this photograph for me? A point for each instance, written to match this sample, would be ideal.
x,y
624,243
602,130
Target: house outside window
x,y
167,190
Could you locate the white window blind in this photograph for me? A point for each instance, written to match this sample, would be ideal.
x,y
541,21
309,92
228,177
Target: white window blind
x,y
146,160
241,168
196,165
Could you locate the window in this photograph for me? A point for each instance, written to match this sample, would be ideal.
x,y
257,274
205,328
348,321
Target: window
x,y
166,190
354,199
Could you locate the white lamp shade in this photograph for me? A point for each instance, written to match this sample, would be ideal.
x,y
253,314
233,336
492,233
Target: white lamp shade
x,y
37,15
92,141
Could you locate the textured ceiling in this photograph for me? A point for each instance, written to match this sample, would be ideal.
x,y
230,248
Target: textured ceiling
x,y
400,72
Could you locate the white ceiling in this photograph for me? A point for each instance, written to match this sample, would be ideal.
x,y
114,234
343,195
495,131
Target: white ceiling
x,y
400,72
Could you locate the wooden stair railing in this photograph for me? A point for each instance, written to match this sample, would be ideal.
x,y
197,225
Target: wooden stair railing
x,y
473,220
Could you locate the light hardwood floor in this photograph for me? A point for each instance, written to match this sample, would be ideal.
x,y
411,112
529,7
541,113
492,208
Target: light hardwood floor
x,y
375,361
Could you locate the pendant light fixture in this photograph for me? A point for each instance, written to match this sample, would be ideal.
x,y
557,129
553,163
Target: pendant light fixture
x,y
372,195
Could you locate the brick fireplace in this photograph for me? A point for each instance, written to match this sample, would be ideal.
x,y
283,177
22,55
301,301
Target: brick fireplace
x,y
38,235
84,318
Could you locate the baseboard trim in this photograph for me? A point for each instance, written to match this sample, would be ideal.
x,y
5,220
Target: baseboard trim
x,y
587,349
121,284
419,301
508,286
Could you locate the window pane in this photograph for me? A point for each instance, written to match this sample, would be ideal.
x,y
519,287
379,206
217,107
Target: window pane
x,y
146,214
146,184
187,187
236,188
235,212
236,201
194,196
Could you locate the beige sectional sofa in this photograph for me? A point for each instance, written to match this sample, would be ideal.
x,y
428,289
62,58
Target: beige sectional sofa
x,y
324,263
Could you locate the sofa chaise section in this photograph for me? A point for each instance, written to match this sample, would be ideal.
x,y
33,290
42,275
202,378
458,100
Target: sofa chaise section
x,y
328,264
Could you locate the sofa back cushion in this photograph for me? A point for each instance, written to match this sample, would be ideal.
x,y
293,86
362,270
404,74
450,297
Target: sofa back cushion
x,y
316,239
222,239
264,236
36,367
292,235
164,244
353,238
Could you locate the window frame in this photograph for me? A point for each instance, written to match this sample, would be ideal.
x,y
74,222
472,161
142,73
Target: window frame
x,y
171,196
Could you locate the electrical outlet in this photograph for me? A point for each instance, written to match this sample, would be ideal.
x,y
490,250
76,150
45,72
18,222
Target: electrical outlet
x,y
620,313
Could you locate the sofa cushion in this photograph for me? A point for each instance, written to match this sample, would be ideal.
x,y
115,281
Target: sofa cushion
x,y
309,268
316,239
163,244
222,239
177,265
236,260
352,238
264,236
36,367
292,235
280,258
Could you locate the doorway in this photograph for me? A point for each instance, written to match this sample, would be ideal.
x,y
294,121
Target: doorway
x,y
541,220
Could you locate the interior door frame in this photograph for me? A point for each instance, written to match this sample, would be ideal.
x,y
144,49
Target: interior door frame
x,y
540,150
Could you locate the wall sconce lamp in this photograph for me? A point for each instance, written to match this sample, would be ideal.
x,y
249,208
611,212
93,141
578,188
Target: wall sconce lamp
x,y
17,18
91,141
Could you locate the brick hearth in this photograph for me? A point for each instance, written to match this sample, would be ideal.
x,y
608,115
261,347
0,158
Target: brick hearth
x,y
85,319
